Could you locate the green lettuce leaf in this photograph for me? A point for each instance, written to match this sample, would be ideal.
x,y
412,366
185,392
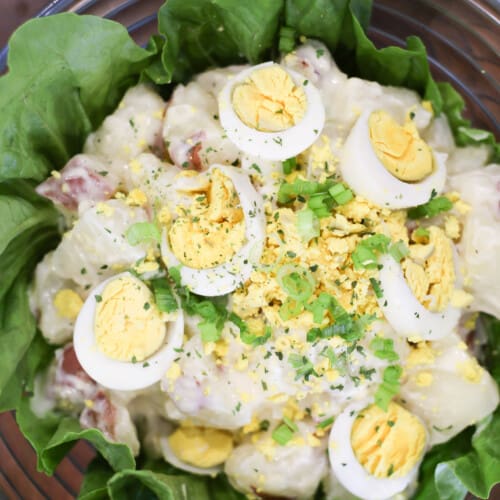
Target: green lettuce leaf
x,y
66,73
205,33
53,436
155,479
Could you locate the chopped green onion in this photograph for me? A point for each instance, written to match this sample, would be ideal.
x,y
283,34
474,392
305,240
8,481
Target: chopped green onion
x,y
341,194
399,251
430,209
389,386
286,40
384,349
421,232
282,434
209,331
245,335
325,423
289,165
319,306
296,281
142,231
307,224
292,425
290,309
321,204
303,366
164,297
288,191
365,253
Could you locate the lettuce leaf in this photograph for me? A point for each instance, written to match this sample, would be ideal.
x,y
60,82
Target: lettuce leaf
x,y
53,436
66,73
205,33
155,479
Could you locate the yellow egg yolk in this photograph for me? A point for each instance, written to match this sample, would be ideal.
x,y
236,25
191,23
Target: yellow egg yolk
x,y
269,100
214,230
67,303
128,326
400,149
388,444
432,282
200,446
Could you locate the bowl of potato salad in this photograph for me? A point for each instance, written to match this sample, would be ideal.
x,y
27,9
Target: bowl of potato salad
x,y
254,258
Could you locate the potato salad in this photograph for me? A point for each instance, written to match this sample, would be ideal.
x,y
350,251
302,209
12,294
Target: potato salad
x,y
274,275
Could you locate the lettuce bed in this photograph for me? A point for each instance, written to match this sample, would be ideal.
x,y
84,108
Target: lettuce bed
x,y
66,74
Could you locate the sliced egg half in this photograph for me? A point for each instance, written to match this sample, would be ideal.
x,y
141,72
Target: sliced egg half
x,y
206,448
226,277
367,176
353,475
404,312
272,145
115,372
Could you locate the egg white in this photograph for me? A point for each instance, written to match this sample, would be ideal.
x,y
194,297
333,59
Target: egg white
x,y
120,375
366,175
226,277
172,458
404,312
272,145
349,472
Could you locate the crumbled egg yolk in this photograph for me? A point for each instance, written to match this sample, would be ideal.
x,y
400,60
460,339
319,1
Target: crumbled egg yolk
x,y
201,447
320,156
424,379
388,444
67,303
421,354
269,100
136,198
471,371
400,149
128,326
196,238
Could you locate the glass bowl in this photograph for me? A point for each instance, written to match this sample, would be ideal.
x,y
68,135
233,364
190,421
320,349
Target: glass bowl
x,y
463,44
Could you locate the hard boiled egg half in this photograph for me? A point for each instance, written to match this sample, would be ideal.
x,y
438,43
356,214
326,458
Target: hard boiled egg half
x,y
390,164
218,245
375,454
199,450
271,112
403,310
121,339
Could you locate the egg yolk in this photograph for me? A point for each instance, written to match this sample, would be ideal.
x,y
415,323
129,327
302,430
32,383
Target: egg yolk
x,y
433,282
67,303
388,444
200,446
400,149
214,230
269,100
128,326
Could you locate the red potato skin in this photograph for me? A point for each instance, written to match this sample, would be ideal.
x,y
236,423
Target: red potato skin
x,y
78,182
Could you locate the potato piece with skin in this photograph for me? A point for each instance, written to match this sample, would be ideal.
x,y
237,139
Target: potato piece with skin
x,y
191,129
